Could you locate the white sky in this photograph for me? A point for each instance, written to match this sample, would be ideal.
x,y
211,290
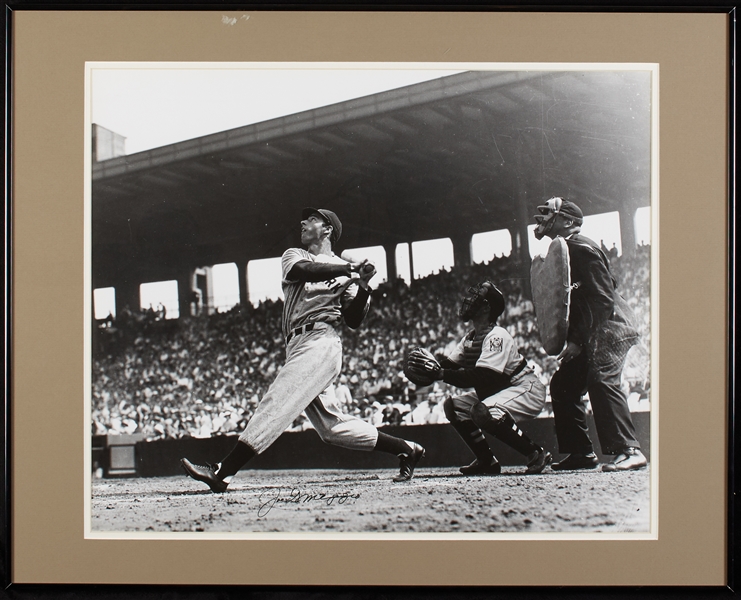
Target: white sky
x,y
158,105
153,107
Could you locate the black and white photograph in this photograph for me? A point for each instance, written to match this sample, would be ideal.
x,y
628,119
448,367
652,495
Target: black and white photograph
x,y
371,300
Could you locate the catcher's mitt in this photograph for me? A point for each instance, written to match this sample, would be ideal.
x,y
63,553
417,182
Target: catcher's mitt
x,y
421,367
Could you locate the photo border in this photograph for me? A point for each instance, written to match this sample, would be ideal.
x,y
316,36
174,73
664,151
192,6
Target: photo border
x,y
21,283
651,264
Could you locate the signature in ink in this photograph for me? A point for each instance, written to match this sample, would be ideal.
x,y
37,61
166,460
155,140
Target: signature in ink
x,y
269,499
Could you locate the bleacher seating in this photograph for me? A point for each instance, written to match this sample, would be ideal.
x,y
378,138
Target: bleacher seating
x,y
203,376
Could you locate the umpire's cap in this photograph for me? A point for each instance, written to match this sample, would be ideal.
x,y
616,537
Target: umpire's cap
x,y
329,217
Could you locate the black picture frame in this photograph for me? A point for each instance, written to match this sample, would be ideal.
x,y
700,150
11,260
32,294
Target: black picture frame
x,y
30,590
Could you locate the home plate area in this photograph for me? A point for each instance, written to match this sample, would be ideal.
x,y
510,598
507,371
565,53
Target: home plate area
x,y
436,500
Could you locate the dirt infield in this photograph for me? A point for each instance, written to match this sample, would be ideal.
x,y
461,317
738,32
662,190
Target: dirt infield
x,y
335,501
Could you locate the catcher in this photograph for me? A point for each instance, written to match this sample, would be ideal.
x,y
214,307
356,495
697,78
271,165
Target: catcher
x,y
505,388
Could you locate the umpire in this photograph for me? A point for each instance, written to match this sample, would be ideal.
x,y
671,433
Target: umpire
x,y
600,333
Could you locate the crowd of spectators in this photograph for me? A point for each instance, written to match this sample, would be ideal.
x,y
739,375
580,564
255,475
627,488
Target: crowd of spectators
x,y
203,376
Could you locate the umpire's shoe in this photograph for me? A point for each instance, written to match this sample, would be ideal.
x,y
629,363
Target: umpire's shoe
x,y
478,468
574,462
407,462
206,474
538,461
630,459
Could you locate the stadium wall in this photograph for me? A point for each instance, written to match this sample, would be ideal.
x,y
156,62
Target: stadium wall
x,y
304,450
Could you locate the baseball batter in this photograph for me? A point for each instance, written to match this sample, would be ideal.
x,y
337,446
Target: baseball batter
x,y
321,291
505,391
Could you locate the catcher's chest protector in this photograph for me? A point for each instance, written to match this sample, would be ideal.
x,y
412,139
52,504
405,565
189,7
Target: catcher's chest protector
x,y
550,279
472,348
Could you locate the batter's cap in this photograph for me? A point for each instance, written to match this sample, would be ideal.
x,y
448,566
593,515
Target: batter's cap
x,y
329,217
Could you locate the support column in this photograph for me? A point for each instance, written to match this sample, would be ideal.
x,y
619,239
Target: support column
x,y
411,265
391,269
522,220
520,248
628,229
127,295
185,290
244,286
461,250
518,233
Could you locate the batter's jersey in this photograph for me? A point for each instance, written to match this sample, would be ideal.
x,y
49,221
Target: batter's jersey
x,y
313,301
498,351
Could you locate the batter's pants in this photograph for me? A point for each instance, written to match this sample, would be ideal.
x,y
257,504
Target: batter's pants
x,y
313,361
599,374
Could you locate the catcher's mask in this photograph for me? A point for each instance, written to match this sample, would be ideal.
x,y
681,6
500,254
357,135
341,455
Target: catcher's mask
x,y
550,210
478,297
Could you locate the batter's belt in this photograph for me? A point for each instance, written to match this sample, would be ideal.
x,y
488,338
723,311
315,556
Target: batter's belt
x,y
306,328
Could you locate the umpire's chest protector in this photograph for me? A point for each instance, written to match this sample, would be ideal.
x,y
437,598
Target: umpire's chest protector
x,y
550,280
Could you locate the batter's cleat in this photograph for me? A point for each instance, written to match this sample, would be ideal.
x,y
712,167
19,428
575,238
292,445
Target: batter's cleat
x,y
478,468
630,459
575,462
407,462
538,461
206,474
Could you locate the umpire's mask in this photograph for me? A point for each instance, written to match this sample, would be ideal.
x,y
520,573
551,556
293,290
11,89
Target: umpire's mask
x,y
547,217
551,209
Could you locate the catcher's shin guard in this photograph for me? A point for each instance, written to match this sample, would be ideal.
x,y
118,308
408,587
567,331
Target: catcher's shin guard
x,y
504,429
469,432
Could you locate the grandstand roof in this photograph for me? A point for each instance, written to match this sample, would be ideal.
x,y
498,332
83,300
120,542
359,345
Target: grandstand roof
x,y
468,153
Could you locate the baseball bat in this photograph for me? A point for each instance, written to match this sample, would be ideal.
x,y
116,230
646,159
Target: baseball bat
x,y
349,257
